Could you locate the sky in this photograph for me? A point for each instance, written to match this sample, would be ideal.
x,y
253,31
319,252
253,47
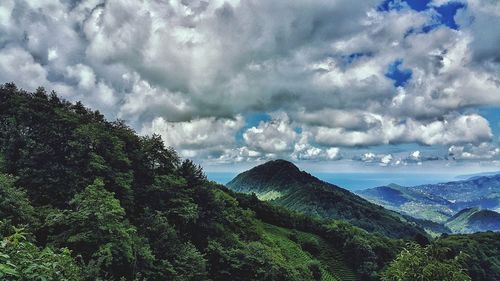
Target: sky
x,y
335,86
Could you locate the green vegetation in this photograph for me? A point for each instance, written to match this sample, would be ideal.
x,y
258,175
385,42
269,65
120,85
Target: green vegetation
x,y
301,192
481,251
474,220
82,198
440,202
97,202
22,260
429,263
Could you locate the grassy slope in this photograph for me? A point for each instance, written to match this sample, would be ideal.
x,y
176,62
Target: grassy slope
x,y
291,243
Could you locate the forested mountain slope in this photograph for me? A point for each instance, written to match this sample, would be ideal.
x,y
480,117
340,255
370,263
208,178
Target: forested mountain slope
x,y
282,183
474,220
85,199
82,198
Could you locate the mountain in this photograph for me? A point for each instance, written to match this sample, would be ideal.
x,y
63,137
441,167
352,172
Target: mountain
x,y
83,198
410,202
438,202
475,175
472,220
282,183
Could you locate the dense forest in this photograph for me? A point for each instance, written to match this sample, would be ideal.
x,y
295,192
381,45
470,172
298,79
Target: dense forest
x,y
82,198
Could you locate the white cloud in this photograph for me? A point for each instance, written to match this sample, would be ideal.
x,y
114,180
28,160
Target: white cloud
x,y
191,69
453,129
87,86
159,102
304,150
380,159
274,136
483,151
18,65
199,134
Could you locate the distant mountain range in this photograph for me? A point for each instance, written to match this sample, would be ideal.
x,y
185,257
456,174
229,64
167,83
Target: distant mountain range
x,y
282,183
474,220
471,176
444,201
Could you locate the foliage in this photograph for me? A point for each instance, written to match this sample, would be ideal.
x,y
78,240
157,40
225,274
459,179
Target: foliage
x,y
21,260
97,229
15,206
299,191
429,263
102,203
482,251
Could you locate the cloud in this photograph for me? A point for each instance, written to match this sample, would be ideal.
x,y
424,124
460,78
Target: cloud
x,y
190,70
275,136
379,158
16,64
304,150
397,159
172,106
451,130
198,134
483,151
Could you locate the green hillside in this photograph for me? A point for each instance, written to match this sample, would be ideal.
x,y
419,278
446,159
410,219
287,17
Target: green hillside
x,y
474,220
480,251
299,191
82,198
406,200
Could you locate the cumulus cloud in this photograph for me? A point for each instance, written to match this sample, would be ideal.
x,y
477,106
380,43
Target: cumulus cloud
x,y
397,159
274,136
483,151
190,136
191,71
304,150
16,64
453,129
380,159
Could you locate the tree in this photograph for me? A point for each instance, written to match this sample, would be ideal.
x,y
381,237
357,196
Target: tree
x,y
427,264
192,173
21,260
176,260
15,207
97,229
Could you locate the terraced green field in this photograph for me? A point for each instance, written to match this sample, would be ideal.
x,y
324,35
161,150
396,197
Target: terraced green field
x,y
298,248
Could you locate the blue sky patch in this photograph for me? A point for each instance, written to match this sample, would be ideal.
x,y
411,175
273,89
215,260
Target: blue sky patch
x,y
417,5
252,120
491,114
447,14
400,76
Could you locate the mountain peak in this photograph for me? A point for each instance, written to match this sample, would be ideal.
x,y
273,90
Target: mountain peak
x,y
278,172
394,185
474,219
284,184
277,165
